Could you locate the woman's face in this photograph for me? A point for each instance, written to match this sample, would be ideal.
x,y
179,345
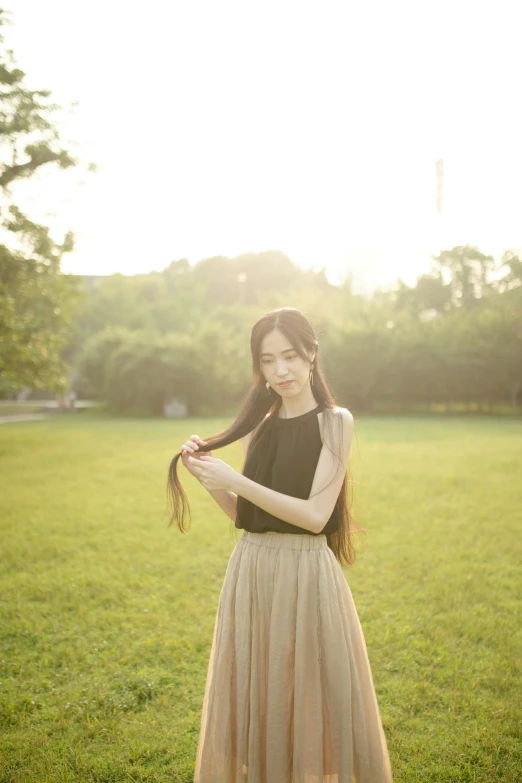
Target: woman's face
x,y
280,362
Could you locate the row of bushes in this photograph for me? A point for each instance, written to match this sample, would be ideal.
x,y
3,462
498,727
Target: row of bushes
x,y
465,355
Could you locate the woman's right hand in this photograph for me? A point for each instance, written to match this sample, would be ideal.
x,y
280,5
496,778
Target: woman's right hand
x,y
190,449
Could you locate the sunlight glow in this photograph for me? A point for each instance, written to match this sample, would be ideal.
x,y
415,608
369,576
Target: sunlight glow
x,y
222,128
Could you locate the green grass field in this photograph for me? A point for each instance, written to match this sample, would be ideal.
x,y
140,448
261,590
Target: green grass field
x,y
107,615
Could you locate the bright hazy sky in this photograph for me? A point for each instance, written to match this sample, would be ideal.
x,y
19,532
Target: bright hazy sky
x,y
223,127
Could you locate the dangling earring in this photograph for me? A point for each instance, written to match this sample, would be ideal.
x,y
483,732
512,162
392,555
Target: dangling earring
x,y
311,376
267,388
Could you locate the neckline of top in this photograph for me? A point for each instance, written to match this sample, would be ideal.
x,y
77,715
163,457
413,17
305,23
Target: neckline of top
x,y
299,418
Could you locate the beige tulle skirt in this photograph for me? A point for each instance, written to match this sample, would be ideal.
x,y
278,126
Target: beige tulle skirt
x,y
289,696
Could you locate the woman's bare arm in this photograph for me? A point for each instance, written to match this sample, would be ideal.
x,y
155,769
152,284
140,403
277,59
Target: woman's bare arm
x,y
296,511
225,498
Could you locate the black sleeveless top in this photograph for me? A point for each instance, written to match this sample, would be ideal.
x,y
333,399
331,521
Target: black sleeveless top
x,y
283,455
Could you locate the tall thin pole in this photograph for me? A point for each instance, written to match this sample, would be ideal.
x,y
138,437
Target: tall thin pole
x,y
439,170
439,206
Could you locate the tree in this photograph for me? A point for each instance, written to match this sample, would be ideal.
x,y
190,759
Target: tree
x,y
512,280
36,298
429,293
469,271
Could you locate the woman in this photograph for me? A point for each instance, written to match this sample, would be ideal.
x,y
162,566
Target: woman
x,y
289,696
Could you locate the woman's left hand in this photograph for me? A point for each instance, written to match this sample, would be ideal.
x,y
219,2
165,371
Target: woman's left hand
x,y
213,473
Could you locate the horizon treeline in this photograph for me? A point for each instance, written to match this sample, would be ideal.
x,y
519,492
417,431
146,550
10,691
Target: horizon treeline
x,y
455,337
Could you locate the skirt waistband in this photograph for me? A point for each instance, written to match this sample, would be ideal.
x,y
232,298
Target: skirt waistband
x,y
277,540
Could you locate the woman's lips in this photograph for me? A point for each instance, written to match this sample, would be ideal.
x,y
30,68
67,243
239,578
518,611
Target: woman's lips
x,y
285,384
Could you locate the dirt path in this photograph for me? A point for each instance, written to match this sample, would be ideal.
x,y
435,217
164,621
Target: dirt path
x,y
23,417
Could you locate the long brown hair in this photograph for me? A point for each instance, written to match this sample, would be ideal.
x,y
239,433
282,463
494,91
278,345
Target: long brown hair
x,y
254,408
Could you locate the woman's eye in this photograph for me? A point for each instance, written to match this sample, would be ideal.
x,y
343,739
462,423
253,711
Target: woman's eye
x,y
267,361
